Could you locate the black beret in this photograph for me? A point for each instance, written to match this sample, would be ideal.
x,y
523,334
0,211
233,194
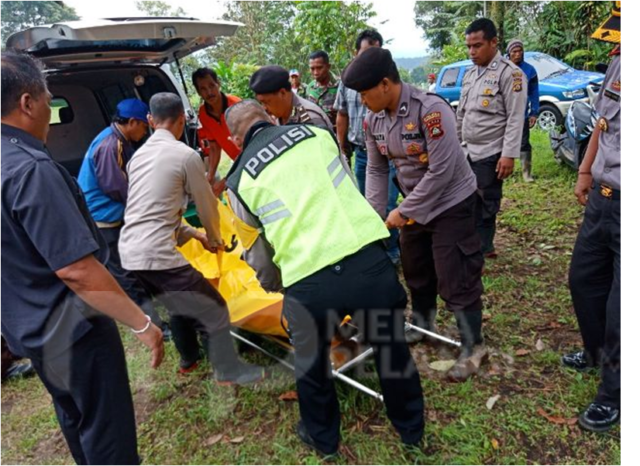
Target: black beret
x,y
269,79
368,69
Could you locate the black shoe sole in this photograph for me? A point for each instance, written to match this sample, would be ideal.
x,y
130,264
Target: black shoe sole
x,y
598,430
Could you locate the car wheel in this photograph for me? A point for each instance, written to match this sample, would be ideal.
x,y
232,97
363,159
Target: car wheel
x,y
549,117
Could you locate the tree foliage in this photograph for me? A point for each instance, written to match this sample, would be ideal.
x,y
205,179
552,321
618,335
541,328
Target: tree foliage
x,y
561,29
286,33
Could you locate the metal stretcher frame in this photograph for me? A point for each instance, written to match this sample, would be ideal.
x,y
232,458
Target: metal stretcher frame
x,y
339,373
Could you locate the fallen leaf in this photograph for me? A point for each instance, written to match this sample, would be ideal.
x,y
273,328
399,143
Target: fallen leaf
x,y
442,366
492,401
540,344
557,419
522,352
494,444
486,316
289,396
237,439
213,440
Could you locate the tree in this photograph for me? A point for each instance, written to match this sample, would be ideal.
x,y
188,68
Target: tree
x,y
17,16
285,33
267,35
332,27
160,9
497,15
565,30
440,21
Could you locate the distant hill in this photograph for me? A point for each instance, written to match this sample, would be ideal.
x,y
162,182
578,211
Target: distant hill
x,y
411,63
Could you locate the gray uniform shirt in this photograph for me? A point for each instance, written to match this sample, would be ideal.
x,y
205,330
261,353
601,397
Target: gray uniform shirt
x,y
490,115
422,143
163,174
606,167
306,112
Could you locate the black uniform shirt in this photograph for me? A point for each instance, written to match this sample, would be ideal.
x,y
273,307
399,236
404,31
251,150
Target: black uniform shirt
x,y
46,226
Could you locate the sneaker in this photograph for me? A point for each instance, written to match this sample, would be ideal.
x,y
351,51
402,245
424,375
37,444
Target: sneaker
x,y
19,371
468,363
166,331
599,418
305,438
577,361
243,374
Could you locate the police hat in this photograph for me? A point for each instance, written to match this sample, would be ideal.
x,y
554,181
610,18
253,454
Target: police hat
x,y
270,79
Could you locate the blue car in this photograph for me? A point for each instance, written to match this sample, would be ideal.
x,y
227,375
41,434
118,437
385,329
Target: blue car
x,y
559,84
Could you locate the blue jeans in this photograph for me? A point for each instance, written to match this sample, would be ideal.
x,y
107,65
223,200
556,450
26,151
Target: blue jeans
x,y
393,247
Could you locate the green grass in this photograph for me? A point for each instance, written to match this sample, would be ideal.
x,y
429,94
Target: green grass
x,y
527,300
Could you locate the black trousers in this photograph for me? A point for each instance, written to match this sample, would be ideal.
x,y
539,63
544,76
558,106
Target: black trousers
x,y
366,287
194,305
89,386
594,279
490,188
126,279
443,257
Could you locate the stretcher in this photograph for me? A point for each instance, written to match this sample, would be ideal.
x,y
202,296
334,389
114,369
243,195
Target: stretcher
x,y
254,310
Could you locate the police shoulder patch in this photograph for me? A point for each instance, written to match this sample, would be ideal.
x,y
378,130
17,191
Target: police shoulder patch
x,y
433,123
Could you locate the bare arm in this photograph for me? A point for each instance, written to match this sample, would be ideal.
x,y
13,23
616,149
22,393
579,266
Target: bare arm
x,y
585,179
91,281
342,127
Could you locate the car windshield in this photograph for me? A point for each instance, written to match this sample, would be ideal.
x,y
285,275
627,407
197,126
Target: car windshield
x,y
547,67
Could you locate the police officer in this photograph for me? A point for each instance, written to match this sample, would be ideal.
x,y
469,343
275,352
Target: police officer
x,y
594,276
440,248
490,121
273,90
58,300
321,242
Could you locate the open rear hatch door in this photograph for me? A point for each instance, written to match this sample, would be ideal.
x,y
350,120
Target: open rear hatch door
x,y
118,41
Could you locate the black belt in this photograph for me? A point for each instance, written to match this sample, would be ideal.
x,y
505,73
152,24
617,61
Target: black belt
x,y
606,191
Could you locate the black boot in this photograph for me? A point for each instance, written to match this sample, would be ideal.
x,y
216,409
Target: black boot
x,y
228,369
472,352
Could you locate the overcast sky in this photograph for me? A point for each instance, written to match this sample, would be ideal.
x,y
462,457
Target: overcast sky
x,y
398,14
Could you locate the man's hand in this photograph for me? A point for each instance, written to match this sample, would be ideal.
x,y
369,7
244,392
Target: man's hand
x,y
346,149
504,168
219,186
395,220
532,121
202,237
152,339
583,186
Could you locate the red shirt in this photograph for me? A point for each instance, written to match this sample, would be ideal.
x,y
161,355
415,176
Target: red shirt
x,y
214,130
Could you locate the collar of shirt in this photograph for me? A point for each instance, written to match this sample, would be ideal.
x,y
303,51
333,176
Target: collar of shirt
x,y
333,82
164,134
18,134
255,129
125,142
225,106
491,66
403,104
